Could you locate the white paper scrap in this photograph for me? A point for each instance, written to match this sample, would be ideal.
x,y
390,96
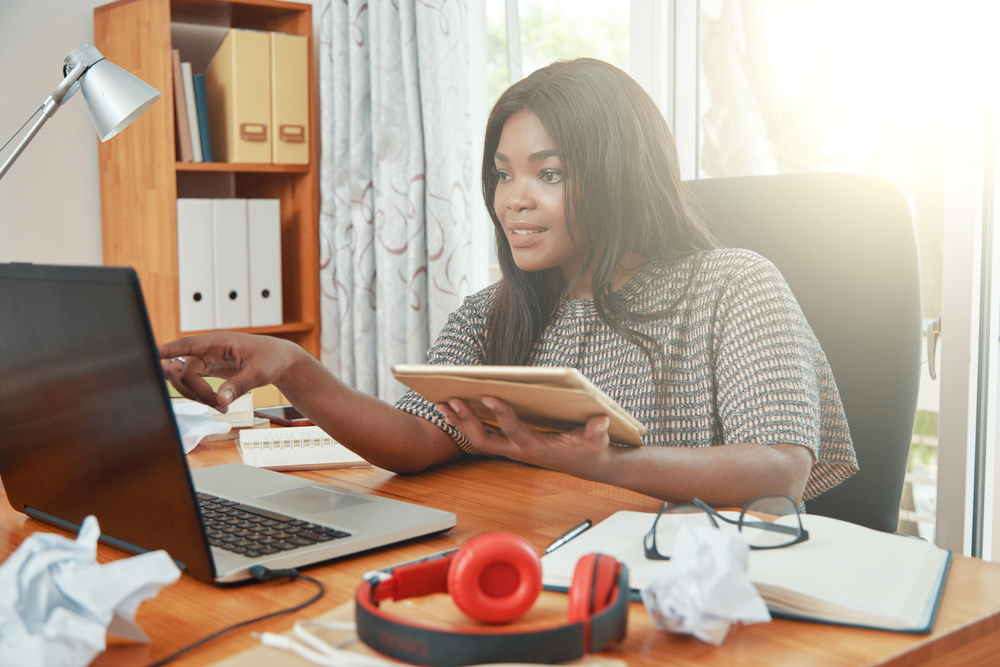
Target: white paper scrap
x,y
703,589
57,604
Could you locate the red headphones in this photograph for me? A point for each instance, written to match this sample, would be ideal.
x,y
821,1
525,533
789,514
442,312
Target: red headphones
x,y
495,578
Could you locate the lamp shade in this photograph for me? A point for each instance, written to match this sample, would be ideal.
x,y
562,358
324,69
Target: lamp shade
x,y
115,97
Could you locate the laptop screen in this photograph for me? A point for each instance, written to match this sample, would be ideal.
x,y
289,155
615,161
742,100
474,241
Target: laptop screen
x,y
85,421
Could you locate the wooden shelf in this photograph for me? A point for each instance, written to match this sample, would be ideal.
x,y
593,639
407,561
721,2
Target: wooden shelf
x,y
288,328
252,14
232,167
141,177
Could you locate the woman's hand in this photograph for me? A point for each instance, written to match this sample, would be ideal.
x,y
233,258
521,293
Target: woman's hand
x,y
723,476
582,452
245,361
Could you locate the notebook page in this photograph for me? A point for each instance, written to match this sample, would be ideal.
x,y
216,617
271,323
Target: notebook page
x,y
620,535
299,447
889,576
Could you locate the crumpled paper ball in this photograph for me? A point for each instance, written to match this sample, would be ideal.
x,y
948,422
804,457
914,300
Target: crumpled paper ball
x,y
704,589
57,604
195,422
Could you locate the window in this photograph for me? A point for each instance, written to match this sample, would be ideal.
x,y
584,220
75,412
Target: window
x,y
827,86
544,32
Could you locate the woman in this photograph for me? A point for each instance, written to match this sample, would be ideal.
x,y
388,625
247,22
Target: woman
x,y
605,270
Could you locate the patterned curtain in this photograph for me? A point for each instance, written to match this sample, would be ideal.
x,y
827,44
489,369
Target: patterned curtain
x,y
397,180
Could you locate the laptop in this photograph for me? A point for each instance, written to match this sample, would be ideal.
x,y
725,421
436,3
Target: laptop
x,y
86,427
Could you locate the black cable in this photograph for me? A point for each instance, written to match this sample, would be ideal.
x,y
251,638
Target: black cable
x,y
260,573
30,118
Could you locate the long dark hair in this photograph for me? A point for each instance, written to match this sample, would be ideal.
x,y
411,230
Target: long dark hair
x,y
623,189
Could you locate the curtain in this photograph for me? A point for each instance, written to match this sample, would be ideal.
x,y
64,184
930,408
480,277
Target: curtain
x,y
397,179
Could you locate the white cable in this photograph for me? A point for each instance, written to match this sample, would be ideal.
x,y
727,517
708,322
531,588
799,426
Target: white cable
x,y
319,652
286,643
308,637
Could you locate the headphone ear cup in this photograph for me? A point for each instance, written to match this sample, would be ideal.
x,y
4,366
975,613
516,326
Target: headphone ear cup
x,y
495,577
595,580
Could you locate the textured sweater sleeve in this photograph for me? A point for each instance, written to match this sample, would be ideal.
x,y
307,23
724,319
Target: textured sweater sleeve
x,y
773,382
460,343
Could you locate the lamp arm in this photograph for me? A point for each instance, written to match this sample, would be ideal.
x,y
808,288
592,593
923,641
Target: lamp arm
x,y
59,95
49,107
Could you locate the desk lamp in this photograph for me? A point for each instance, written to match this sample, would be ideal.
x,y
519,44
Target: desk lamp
x,y
115,97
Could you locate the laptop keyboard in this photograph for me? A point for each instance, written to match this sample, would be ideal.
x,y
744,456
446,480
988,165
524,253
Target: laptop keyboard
x,y
252,532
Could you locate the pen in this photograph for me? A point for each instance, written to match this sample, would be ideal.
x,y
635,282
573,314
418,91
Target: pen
x,y
568,535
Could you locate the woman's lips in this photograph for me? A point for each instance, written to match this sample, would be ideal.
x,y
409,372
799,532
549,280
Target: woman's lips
x,y
521,234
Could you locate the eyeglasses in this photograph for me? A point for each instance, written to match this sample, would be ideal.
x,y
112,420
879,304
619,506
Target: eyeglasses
x,y
758,523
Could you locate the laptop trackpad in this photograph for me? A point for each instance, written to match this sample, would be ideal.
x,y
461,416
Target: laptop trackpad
x,y
313,500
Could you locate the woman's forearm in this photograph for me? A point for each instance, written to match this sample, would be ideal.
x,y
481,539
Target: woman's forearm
x,y
383,435
722,476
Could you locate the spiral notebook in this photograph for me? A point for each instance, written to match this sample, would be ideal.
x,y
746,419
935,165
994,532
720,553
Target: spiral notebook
x,y
295,448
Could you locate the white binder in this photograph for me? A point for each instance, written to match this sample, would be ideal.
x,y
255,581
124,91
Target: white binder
x,y
264,235
229,225
196,285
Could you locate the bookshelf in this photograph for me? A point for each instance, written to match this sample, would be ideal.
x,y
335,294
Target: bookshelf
x,y
141,178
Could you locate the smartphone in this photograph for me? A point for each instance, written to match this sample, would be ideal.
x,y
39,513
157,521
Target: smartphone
x,y
286,415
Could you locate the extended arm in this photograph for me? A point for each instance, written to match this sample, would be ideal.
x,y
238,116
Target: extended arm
x,y
385,436
726,475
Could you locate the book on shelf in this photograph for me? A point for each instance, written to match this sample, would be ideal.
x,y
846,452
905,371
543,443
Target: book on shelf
x,y
201,108
182,131
547,398
844,574
295,448
192,111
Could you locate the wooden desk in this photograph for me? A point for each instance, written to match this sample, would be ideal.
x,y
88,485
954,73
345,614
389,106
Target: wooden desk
x,y
538,504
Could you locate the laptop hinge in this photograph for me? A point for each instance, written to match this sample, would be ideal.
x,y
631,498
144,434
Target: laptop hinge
x,y
107,539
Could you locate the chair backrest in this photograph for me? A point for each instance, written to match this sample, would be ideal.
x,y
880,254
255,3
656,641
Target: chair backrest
x,y
847,247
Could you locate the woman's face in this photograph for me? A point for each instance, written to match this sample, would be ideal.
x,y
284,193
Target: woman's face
x,y
530,197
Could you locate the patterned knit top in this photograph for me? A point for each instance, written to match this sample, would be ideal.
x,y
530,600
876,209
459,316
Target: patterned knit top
x,y
742,364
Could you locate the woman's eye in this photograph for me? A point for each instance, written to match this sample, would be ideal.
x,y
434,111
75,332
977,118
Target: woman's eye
x,y
501,174
551,175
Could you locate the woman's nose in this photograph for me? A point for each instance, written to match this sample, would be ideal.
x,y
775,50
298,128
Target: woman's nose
x,y
519,195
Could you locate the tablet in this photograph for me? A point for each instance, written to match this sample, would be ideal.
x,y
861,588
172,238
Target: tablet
x,y
547,398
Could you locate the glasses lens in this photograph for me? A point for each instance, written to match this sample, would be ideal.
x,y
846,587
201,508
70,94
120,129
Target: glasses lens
x,y
771,521
669,524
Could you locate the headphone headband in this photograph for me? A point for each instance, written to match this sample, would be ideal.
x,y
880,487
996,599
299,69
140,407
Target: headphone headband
x,y
423,645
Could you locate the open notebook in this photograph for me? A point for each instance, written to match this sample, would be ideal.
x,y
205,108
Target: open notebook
x,y
295,448
843,574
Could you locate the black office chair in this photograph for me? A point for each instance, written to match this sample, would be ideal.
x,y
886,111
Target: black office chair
x,y
847,247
